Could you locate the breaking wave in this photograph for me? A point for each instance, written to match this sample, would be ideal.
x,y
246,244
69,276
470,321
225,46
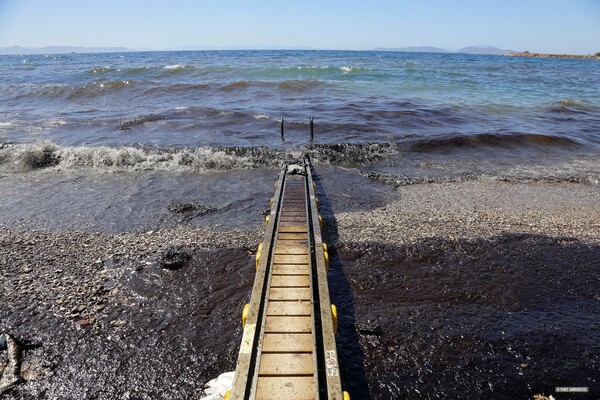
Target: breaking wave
x,y
47,155
346,153
26,157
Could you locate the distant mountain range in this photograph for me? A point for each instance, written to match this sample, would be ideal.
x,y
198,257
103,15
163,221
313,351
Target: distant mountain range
x,y
60,50
484,49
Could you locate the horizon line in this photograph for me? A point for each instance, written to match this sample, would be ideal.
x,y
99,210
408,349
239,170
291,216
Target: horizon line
x,y
123,49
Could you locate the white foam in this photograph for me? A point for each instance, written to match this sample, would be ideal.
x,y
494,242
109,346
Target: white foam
x,y
58,122
260,116
176,66
45,154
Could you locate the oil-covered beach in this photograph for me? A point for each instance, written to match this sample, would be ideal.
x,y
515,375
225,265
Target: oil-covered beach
x,y
460,196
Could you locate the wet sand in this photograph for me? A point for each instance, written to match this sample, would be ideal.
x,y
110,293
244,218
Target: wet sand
x,y
462,290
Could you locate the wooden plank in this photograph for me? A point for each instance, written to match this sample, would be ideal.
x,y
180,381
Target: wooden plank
x,y
286,364
284,228
291,259
293,219
290,269
290,281
289,308
294,211
288,245
242,377
290,294
289,388
287,343
292,242
281,324
291,251
292,236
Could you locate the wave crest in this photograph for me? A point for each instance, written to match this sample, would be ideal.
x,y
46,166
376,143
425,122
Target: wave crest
x,y
27,157
46,154
346,153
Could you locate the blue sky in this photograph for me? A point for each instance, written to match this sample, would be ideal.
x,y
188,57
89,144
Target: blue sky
x,y
566,26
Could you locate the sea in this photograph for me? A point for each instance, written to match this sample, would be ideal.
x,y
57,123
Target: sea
x,y
402,118
147,141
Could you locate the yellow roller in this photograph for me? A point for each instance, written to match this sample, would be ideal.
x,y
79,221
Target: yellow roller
x,y
346,395
258,252
326,256
334,316
247,309
267,220
228,394
317,201
271,202
321,222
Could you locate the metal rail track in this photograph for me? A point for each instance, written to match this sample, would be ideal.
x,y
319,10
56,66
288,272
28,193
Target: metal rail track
x,y
288,345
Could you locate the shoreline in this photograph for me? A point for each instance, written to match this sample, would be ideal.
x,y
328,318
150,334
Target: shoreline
x,y
548,55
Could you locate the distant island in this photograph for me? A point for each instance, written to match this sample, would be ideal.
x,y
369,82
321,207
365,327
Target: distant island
x,y
544,55
483,50
487,50
60,50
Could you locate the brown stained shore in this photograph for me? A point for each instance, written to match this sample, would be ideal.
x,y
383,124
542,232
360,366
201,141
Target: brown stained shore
x,y
464,290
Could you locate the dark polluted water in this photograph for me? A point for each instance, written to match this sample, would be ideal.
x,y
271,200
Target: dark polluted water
x,y
165,335
504,317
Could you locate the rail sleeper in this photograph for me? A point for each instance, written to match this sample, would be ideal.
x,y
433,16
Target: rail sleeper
x,y
288,345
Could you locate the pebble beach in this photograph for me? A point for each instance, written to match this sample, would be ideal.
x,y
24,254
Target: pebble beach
x,y
106,296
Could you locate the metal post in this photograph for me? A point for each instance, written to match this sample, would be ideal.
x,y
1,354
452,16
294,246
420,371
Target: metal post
x,y
282,138
312,130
